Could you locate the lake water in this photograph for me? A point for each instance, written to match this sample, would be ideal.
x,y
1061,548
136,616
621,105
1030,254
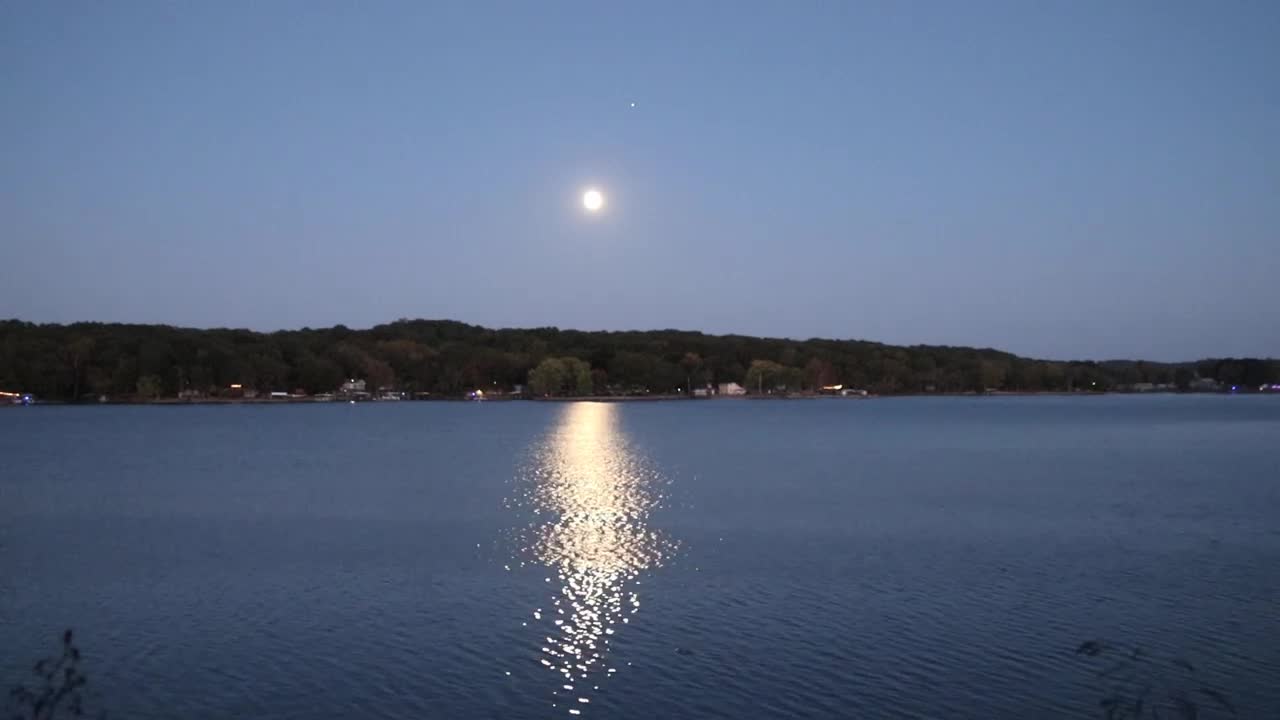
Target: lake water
x,y
895,558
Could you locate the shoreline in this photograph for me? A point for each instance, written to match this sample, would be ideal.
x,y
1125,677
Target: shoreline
x,y
174,402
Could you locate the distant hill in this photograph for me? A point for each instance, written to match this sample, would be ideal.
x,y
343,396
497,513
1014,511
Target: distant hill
x,y
448,358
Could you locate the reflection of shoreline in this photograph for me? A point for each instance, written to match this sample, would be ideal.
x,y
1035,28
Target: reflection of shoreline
x,y
591,497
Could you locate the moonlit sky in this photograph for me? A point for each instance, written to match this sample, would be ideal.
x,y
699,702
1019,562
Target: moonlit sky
x,y
1059,179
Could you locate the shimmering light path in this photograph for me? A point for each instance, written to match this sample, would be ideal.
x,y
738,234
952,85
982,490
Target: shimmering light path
x,y
590,497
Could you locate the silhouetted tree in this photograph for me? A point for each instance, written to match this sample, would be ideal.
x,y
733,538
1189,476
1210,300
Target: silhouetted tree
x,y
57,690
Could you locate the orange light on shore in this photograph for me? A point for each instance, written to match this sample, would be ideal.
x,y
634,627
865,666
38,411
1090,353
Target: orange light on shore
x,y
235,386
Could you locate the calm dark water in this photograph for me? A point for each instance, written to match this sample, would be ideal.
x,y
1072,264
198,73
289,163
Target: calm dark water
x,y
904,558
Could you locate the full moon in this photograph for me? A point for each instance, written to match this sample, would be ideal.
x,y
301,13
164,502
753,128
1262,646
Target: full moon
x,y
592,200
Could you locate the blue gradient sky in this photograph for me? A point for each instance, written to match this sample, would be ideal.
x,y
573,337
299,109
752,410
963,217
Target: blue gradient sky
x,y
1059,179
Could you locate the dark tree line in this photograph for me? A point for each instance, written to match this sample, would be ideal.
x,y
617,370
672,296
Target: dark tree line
x,y
84,361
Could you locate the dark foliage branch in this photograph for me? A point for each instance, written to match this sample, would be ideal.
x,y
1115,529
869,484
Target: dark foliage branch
x,y
57,689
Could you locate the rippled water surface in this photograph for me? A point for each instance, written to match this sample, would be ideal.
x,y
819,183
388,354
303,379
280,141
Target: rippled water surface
x,y
898,558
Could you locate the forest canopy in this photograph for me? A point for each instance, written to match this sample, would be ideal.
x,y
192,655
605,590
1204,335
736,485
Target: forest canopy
x,y
86,361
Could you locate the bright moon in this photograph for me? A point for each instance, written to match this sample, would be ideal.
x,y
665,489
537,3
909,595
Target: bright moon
x,y
592,200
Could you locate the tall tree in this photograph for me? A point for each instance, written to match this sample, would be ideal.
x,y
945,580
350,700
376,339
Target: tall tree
x,y
150,387
762,376
548,378
77,353
692,363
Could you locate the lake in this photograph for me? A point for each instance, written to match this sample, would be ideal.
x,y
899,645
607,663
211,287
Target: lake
x,y
886,558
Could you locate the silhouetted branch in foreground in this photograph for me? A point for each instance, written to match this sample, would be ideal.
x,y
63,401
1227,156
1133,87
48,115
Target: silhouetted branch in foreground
x,y
57,690
1140,686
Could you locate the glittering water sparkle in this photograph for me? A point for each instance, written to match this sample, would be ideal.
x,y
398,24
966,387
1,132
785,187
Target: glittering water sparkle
x,y
590,497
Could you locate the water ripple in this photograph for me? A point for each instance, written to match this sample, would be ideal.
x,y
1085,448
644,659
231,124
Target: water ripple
x,y
590,496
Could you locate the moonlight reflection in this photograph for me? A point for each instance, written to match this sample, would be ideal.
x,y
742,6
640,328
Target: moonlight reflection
x,y
591,498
